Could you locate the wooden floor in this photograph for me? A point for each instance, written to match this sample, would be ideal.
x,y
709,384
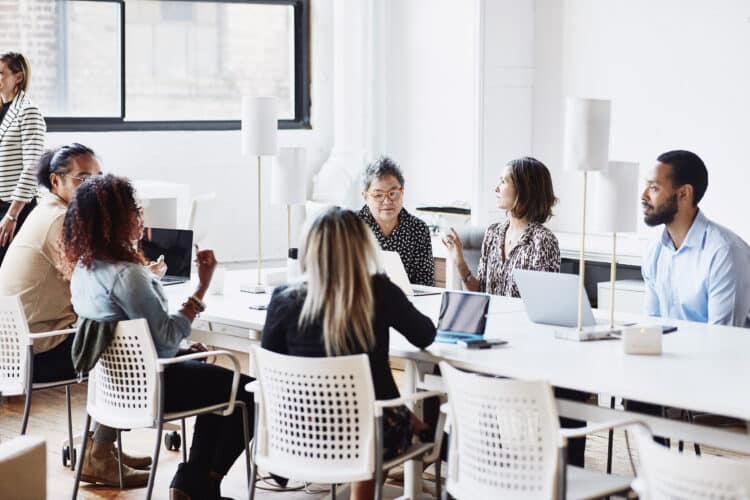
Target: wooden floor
x,y
48,419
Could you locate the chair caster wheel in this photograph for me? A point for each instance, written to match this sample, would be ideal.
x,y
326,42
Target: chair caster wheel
x,y
172,441
68,457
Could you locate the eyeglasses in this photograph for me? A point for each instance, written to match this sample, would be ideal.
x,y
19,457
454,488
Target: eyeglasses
x,y
380,196
82,178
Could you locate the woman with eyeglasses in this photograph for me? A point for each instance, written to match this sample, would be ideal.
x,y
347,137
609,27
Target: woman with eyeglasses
x,y
33,270
22,130
394,228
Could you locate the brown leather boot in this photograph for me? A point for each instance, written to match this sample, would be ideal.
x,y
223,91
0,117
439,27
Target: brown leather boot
x,y
100,466
134,461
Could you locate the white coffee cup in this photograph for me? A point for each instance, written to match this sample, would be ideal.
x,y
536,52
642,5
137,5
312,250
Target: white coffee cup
x,y
216,287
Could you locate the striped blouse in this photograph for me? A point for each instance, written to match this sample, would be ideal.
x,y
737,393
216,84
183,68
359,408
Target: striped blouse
x,y
22,134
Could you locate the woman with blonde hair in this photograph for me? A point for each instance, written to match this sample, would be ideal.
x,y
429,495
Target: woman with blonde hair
x,y
345,306
22,130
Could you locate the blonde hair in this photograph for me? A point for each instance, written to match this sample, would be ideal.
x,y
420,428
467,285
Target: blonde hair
x,y
339,257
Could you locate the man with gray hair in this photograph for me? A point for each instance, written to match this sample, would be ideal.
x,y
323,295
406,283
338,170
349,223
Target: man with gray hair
x,y
396,229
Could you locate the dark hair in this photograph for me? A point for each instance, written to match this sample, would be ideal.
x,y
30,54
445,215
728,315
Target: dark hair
x,y
382,167
57,161
687,168
100,223
17,63
534,194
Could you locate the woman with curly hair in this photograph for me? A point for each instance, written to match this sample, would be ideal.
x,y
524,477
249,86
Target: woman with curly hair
x,y
109,282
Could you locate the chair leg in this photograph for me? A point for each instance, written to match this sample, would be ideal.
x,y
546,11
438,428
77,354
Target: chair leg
x,y
610,439
253,451
246,436
81,458
438,478
184,441
333,491
119,459
26,411
152,475
70,430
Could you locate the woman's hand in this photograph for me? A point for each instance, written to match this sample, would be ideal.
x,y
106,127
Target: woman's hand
x,y
206,265
7,231
455,246
159,267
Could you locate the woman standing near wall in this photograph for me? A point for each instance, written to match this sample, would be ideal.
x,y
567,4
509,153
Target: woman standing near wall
x,y
22,130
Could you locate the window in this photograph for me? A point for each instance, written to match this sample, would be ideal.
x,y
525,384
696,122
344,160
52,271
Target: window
x,y
161,64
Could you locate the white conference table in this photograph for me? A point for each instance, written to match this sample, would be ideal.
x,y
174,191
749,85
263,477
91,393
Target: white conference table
x,y
704,368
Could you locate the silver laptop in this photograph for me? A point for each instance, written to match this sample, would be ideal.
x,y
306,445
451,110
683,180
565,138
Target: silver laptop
x,y
552,298
396,272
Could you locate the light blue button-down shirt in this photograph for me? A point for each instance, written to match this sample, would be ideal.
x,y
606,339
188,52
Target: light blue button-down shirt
x,y
115,291
706,280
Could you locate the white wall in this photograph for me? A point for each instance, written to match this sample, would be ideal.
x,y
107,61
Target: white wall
x,y
678,74
211,161
429,120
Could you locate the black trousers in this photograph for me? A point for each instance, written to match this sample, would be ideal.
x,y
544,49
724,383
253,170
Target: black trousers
x,y
4,206
217,440
576,446
55,364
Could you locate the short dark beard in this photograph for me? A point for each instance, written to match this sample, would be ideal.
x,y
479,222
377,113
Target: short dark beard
x,y
663,215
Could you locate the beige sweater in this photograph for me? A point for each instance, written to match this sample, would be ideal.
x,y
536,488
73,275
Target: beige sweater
x,y
31,269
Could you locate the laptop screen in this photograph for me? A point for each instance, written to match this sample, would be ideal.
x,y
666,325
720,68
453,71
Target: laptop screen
x,y
176,245
462,312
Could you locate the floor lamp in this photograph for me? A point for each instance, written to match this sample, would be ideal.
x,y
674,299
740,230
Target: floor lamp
x,y
259,127
586,149
288,186
615,197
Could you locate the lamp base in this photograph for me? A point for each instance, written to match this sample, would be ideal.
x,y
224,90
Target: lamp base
x,y
594,332
253,288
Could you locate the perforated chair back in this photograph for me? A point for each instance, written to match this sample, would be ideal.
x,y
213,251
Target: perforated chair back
x,y
504,437
664,475
315,417
14,346
122,384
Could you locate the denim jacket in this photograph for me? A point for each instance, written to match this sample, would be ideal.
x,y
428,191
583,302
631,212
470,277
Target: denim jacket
x,y
115,291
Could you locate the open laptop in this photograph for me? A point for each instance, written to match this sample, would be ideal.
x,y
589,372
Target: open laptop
x,y
176,245
463,316
552,298
396,272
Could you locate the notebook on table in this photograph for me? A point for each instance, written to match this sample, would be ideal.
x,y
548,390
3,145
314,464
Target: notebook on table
x,y
394,268
176,245
463,316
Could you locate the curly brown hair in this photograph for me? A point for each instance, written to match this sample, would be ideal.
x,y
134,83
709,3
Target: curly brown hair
x,y
101,223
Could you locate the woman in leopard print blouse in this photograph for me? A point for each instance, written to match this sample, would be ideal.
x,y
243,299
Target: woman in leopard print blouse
x,y
521,241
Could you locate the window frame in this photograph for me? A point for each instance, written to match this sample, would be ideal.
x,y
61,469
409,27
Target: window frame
x,y
302,103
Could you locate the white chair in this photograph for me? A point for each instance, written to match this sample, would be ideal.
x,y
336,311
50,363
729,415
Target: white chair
x,y
666,475
506,442
17,364
23,468
317,420
126,391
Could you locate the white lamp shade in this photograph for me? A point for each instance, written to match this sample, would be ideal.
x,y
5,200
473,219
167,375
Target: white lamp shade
x,y
288,186
259,126
586,145
614,199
